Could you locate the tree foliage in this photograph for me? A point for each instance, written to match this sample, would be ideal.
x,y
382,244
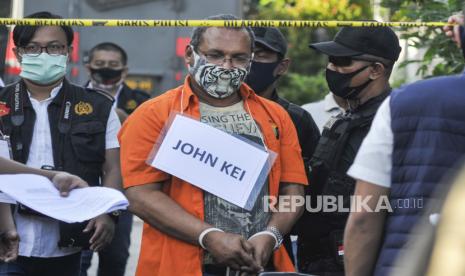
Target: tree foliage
x,y
306,82
441,57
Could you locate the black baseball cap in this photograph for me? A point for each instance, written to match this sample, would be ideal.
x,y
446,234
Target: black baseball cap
x,y
271,38
355,41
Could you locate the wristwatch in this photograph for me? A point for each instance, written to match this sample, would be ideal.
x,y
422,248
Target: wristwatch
x,y
114,215
277,234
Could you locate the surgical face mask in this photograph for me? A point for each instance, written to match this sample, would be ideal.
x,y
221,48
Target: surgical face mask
x,y
261,75
44,68
106,78
339,83
217,81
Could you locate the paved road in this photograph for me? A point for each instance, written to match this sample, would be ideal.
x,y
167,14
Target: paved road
x,y
133,251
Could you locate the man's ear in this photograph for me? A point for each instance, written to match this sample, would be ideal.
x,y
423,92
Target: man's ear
x,y
17,55
189,55
377,70
70,52
282,67
124,74
87,65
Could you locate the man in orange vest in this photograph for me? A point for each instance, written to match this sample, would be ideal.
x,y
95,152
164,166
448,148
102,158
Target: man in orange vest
x,y
189,231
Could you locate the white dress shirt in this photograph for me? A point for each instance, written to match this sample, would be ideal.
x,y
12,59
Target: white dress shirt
x,y
39,235
322,110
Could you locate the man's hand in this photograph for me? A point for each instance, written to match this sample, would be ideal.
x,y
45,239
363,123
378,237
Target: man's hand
x,y
9,243
65,182
104,230
263,246
454,32
231,250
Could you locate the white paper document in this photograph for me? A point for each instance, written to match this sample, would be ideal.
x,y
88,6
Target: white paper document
x,y
5,153
4,149
6,199
213,160
39,193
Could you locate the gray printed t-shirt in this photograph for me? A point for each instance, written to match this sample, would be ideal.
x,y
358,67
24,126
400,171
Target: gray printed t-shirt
x,y
219,212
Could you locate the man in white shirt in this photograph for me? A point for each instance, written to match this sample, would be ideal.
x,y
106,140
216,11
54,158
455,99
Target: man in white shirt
x,y
417,138
56,125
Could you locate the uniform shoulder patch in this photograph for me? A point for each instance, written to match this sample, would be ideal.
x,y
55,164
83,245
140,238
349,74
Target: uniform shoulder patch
x,y
141,94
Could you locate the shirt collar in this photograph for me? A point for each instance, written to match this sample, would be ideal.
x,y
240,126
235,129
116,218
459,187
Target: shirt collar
x,y
120,87
187,94
330,103
53,93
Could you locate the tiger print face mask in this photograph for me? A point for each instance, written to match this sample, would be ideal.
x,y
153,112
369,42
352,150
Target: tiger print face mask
x,y
217,81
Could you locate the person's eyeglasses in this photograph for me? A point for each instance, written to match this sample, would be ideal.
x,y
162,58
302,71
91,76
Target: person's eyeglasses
x,y
220,59
347,61
35,49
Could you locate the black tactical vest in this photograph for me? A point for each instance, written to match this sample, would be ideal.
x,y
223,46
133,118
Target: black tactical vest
x,y
78,121
340,140
321,233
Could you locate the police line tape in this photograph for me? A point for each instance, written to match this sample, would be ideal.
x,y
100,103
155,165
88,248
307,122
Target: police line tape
x,y
211,23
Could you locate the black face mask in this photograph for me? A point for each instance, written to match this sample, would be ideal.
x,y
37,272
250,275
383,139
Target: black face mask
x,y
261,75
339,83
106,75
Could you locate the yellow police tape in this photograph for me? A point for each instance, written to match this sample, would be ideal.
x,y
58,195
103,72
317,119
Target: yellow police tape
x,y
210,23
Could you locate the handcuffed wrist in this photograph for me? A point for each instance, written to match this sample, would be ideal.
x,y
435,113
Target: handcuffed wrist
x,y
269,233
277,234
205,232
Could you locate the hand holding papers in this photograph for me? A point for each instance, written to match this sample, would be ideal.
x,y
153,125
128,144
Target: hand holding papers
x,y
213,160
39,194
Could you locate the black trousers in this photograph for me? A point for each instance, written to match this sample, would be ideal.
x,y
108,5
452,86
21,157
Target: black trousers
x,y
33,266
114,257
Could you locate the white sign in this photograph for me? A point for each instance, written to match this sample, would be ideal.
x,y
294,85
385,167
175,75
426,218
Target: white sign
x,y
213,160
39,193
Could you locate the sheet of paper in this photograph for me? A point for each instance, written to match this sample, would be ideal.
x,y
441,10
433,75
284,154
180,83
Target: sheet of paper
x,y
6,199
5,153
39,194
4,149
212,160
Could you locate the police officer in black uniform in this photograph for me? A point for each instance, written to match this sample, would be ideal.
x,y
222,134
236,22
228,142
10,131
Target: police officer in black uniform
x,y
53,124
107,68
269,64
359,67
